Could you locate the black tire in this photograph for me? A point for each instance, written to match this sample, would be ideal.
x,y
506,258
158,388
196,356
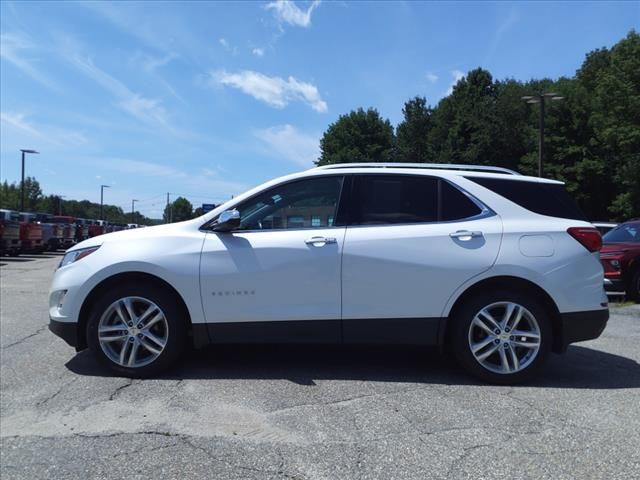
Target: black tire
x,y
175,320
463,317
633,289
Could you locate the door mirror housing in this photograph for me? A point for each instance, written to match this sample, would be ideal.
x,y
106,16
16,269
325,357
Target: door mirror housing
x,y
227,221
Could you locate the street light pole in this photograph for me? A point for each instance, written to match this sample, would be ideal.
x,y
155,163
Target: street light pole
x,y
102,187
133,202
541,137
60,197
540,98
22,182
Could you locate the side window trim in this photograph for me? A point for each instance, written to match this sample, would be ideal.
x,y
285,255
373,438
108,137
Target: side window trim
x,y
485,211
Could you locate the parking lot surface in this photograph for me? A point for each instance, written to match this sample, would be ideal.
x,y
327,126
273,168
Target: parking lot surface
x,y
307,413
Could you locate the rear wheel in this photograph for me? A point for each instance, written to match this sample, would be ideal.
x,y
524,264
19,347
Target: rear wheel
x,y
501,338
137,330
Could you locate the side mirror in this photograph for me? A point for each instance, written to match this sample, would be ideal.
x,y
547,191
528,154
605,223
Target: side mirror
x,y
227,221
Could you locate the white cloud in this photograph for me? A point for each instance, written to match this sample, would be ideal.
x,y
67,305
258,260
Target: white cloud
x,y
285,141
148,110
431,77
286,11
206,180
228,46
150,64
14,49
457,75
258,52
17,126
274,91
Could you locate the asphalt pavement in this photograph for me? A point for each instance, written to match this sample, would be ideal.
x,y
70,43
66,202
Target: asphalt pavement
x,y
307,413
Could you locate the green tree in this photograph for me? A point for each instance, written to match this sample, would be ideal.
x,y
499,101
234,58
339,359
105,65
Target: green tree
x,y
465,126
10,195
178,210
359,136
412,134
616,122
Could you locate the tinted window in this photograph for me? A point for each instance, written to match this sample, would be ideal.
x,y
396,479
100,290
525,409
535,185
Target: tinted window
x,y
302,204
389,199
543,198
455,205
627,232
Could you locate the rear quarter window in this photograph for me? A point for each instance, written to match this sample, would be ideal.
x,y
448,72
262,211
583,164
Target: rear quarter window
x,y
548,199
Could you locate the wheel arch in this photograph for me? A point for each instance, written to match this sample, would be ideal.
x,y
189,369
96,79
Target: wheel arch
x,y
119,279
510,283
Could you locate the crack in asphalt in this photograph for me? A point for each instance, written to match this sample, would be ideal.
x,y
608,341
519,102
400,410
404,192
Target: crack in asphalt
x,y
279,471
119,389
341,401
456,464
56,393
22,340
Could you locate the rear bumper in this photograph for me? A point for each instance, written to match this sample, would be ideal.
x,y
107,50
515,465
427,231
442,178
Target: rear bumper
x,y
580,326
68,331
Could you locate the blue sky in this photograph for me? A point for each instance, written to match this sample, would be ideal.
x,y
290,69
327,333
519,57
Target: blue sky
x,y
208,99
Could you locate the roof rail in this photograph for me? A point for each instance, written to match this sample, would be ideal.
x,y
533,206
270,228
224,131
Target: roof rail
x,y
427,166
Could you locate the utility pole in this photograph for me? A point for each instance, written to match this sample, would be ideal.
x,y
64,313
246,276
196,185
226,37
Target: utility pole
x,y
167,210
540,98
60,197
133,202
22,182
102,187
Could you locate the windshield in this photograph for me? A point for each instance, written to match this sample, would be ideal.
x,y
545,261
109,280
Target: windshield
x,y
627,232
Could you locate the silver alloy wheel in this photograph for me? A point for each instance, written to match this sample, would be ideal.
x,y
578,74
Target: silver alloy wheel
x,y
133,332
504,337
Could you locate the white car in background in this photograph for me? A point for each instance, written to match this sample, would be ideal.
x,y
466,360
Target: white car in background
x,y
501,268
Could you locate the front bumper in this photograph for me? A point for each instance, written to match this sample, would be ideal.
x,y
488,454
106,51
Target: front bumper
x,y
68,331
614,285
580,326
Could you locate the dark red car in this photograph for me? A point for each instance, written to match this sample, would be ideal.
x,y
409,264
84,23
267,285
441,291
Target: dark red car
x,y
620,257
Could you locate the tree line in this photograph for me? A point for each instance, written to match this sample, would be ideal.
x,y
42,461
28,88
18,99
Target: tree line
x,y
35,201
592,136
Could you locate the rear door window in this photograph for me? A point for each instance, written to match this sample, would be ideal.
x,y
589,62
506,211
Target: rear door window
x,y
404,199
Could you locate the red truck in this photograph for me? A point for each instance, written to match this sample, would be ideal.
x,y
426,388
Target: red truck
x,y
620,257
82,229
68,230
96,227
30,234
9,232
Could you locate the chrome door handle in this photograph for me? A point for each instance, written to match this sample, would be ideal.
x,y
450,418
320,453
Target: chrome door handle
x,y
465,235
320,241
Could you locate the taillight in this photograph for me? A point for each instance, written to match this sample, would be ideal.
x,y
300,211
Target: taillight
x,y
588,237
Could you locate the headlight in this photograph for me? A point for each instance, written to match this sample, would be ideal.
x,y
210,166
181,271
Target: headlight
x,y
76,255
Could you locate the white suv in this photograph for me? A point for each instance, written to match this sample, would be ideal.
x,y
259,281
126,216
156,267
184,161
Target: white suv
x,y
498,267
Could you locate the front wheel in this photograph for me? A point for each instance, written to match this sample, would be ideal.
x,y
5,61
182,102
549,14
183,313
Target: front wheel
x,y
501,338
137,330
